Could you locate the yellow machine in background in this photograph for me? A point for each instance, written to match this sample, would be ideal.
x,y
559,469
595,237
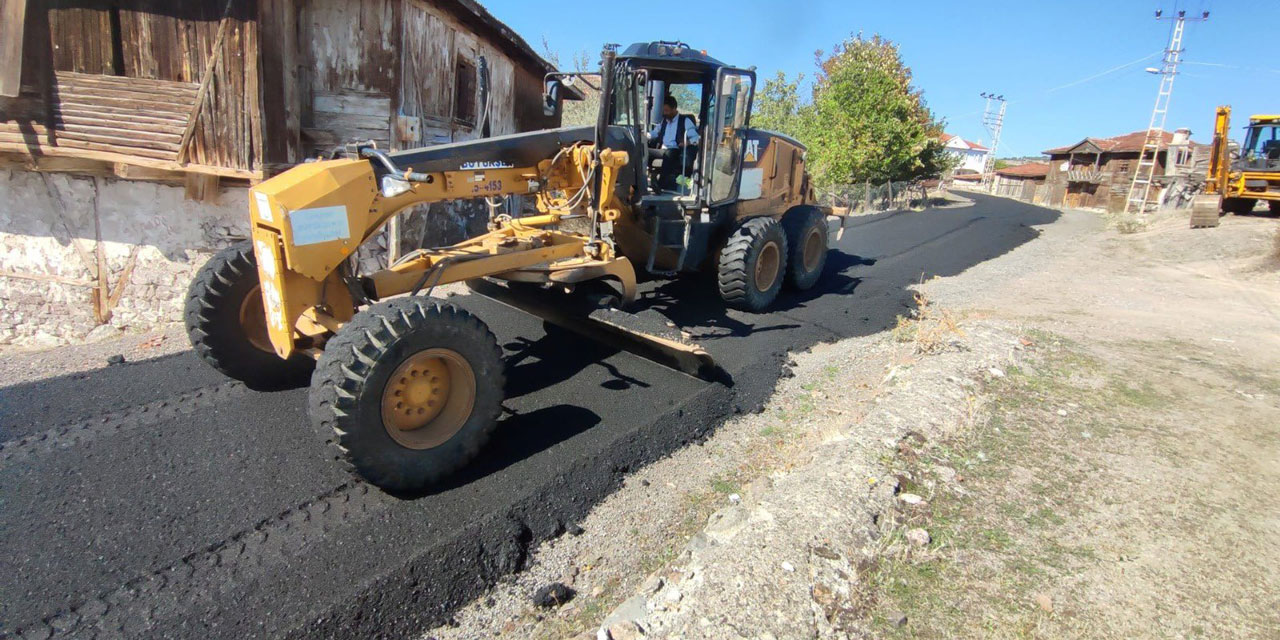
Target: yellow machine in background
x,y
408,388
1237,181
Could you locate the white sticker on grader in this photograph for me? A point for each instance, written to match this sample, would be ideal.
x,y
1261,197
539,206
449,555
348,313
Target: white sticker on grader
x,y
271,298
264,207
321,224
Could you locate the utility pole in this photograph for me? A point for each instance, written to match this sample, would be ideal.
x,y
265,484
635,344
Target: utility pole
x,y
1140,196
993,120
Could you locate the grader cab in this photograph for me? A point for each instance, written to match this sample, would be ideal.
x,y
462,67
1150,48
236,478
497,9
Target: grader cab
x,y
409,388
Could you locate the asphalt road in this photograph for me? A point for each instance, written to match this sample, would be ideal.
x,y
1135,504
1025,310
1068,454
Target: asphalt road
x,y
158,499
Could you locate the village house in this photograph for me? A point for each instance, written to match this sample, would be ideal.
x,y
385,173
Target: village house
x,y
130,131
1024,182
1097,172
973,156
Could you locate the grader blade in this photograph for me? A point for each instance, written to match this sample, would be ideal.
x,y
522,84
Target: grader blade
x,y
647,337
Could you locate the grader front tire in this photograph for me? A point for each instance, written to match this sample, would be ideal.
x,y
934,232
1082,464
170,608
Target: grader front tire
x,y
227,325
409,391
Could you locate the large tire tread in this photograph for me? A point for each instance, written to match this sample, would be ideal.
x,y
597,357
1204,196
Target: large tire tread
x,y
212,318
342,401
797,222
736,274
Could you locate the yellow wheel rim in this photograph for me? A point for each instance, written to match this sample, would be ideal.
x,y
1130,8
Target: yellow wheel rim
x,y
253,321
428,398
813,249
767,266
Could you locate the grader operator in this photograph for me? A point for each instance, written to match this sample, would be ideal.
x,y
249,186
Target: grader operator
x,y
409,388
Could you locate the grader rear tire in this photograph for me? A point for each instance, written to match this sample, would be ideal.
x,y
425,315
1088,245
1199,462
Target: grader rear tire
x,y
752,264
408,391
227,325
807,232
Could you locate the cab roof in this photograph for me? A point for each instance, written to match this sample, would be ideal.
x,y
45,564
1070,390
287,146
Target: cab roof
x,y
664,52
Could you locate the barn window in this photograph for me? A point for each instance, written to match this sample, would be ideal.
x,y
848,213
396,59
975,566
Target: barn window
x,y
464,92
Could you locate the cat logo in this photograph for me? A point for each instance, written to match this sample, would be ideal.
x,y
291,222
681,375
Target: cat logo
x,y
753,151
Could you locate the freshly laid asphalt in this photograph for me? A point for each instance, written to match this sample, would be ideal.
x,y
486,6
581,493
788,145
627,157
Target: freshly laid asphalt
x,y
159,499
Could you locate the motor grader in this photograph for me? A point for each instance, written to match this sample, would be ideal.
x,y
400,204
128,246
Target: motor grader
x,y
1238,178
407,387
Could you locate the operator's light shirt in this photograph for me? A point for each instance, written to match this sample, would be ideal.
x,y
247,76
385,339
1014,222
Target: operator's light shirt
x,y
669,136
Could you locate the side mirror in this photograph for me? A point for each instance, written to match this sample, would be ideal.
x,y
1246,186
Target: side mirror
x,y
551,98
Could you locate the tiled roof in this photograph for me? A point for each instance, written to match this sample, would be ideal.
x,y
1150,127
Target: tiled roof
x,y
973,146
1029,170
1128,142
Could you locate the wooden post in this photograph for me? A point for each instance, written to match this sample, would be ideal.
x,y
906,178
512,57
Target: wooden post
x,y
13,19
206,80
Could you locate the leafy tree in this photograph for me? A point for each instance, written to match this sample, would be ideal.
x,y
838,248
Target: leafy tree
x,y
1001,164
868,122
777,106
583,112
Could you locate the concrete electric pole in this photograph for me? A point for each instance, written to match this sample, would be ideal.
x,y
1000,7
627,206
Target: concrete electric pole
x,y
993,120
1140,196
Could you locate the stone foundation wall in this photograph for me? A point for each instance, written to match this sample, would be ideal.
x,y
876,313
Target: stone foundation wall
x,y
46,287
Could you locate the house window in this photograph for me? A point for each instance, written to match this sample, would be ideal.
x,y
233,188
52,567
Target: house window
x,y
464,92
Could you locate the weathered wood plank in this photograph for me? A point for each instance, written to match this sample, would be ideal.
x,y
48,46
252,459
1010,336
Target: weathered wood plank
x,y
98,113
13,17
281,91
352,103
20,147
120,130
147,85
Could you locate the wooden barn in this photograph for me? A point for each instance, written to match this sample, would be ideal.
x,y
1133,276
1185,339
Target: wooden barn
x,y
130,131
243,88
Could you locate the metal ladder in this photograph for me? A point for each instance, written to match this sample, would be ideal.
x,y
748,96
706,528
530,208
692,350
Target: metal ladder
x,y
1139,199
658,224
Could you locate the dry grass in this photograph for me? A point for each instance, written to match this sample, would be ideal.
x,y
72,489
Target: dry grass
x,y
930,329
1104,494
1127,223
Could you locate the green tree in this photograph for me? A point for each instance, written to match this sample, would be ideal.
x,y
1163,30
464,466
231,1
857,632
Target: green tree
x,y
1002,164
577,113
777,106
868,122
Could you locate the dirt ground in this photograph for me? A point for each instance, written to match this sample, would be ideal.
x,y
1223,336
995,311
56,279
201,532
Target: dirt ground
x,y
1124,481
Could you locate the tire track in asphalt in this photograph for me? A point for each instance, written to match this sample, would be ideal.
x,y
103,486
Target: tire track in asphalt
x,y
84,431
195,582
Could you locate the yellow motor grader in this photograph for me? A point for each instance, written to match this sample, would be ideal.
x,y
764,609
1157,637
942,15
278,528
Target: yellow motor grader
x,y
1239,178
409,388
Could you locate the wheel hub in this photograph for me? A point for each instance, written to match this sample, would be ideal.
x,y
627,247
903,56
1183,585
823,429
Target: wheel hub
x,y
428,398
767,266
253,321
813,248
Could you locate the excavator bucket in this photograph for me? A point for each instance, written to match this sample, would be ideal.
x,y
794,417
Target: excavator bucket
x,y
648,337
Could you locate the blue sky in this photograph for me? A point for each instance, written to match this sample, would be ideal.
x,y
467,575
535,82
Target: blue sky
x,y
956,50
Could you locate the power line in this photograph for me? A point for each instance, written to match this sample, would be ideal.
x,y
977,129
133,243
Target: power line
x,y
1107,72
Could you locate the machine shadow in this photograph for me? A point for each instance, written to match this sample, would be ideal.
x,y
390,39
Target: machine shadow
x,y
518,437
